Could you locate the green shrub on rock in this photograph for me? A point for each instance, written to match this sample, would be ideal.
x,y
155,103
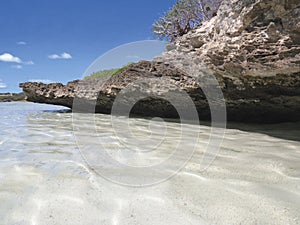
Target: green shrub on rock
x,y
183,17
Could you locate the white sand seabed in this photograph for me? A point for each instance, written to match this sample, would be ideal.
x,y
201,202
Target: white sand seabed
x,y
255,179
246,184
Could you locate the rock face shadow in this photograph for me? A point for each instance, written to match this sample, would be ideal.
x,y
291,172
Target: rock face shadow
x,y
287,131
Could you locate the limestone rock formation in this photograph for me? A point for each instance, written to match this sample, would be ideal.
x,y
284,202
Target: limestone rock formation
x,y
251,37
252,48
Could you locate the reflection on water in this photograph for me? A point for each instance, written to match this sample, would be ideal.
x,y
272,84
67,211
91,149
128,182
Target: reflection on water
x,y
255,178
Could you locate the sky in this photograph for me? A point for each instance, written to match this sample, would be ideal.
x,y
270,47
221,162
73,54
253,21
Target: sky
x,y
59,40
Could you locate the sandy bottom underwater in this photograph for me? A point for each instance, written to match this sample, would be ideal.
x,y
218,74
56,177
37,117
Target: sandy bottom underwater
x,y
255,178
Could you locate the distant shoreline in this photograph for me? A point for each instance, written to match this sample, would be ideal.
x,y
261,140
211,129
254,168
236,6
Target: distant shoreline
x,y
12,97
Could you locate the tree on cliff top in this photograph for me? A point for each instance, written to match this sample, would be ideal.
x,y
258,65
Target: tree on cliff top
x,y
183,17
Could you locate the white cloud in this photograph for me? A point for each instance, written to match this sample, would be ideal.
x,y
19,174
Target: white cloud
x,y
45,81
66,56
21,43
63,55
29,63
133,57
7,57
54,56
17,67
2,85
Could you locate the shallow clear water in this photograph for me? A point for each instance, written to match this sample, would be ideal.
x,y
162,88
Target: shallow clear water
x,y
53,171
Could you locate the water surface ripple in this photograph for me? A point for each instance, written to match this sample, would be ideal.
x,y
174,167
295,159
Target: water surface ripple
x,y
255,179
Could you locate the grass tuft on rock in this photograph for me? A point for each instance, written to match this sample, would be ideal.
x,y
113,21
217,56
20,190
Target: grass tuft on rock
x,y
107,73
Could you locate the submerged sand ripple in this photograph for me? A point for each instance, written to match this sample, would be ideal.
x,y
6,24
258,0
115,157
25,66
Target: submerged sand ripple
x,y
255,178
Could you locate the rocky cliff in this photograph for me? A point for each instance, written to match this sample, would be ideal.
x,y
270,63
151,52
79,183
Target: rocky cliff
x,y
250,37
252,48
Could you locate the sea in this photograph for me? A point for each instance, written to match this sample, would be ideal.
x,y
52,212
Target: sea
x,y
59,167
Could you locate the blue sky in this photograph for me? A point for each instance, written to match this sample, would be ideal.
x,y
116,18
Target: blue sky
x,y
58,40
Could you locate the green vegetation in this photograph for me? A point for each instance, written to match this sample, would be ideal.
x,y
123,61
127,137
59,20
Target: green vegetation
x,y
183,17
108,73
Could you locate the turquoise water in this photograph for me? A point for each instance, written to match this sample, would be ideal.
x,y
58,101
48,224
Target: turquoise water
x,y
53,171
